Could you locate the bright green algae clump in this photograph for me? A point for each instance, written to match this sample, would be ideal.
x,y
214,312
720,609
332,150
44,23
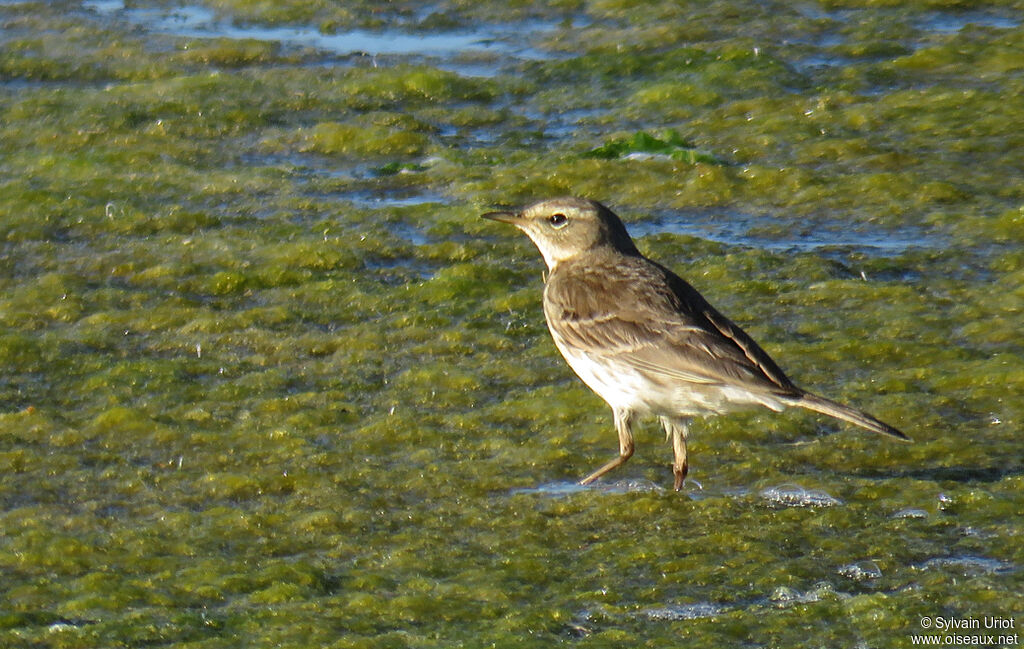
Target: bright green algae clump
x,y
267,380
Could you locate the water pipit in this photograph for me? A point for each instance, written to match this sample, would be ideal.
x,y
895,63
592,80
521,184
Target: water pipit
x,y
645,340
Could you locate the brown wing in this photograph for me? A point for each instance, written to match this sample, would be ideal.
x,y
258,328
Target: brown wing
x,y
638,312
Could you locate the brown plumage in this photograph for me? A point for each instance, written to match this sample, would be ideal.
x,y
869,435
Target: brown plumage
x,y
645,340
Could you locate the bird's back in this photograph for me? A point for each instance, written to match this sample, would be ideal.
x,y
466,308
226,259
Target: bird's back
x,y
634,312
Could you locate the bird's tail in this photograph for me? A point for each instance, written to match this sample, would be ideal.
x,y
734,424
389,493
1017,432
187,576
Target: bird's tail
x,y
846,413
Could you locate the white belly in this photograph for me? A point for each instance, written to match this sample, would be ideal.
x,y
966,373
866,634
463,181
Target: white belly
x,y
625,387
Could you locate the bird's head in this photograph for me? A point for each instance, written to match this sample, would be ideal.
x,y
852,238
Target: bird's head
x,y
564,228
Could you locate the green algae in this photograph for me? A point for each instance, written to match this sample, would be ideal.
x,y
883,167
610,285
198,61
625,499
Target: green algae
x,y
672,146
244,404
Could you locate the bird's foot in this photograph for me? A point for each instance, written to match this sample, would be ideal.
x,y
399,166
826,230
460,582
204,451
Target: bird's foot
x,y
680,471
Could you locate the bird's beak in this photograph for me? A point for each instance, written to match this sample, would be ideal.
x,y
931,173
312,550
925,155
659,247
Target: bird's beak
x,y
513,218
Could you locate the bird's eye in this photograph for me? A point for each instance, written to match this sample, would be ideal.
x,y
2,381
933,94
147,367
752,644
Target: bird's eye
x,y
558,220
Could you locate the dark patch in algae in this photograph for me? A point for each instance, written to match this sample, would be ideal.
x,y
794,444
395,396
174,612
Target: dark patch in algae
x,y
243,404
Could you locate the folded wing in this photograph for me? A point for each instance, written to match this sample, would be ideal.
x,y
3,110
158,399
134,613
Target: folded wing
x,y
662,325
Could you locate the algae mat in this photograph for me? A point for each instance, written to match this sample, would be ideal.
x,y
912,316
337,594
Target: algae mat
x,y
267,380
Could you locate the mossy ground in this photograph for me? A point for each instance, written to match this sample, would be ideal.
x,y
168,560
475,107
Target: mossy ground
x,y
267,380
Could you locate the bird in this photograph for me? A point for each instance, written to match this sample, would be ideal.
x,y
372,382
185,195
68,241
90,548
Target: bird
x,y
645,340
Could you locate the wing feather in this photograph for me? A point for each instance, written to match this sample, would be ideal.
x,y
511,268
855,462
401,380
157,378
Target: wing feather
x,y
640,313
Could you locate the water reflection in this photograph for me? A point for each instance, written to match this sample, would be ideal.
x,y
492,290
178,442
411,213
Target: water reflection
x,y
504,43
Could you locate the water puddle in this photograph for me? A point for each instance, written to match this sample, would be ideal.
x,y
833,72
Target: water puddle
x,y
968,566
784,596
792,495
676,612
781,597
910,512
410,233
861,571
482,51
570,488
934,23
391,198
738,229
367,187
948,22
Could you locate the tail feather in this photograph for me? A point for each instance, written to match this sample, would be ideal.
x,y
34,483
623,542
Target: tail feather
x,y
846,413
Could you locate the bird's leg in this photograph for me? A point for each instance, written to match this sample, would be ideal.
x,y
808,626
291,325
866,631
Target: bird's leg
x,y
623,424
676,429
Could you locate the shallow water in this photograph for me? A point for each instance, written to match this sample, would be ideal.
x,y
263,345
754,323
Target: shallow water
x,y
737,229
267,379
504,42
